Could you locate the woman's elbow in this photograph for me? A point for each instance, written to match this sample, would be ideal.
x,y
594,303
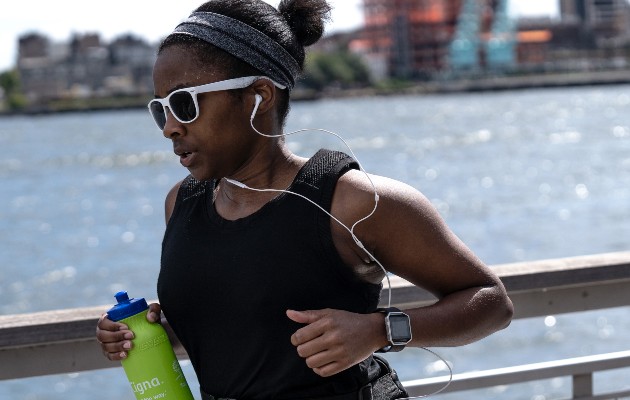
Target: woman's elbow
x,y
504,311
498,308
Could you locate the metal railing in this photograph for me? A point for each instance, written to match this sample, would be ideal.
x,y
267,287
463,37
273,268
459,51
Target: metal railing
x,y
579,369
539,288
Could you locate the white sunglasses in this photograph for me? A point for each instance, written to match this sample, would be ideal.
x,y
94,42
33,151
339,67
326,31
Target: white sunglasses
x,y
183,103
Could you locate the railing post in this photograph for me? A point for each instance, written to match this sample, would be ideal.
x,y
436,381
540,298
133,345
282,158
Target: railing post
x,y
582,385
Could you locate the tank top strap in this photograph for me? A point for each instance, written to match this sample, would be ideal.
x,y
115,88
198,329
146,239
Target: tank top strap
x,y
191,188
318,178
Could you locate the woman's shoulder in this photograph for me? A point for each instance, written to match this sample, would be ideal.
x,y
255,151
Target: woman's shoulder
x,y
171,199
359,183
388,202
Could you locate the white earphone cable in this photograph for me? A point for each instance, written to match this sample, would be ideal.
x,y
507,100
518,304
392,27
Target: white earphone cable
x,y
349,229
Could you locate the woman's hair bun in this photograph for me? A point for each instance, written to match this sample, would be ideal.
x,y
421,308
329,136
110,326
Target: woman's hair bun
x,y
306,18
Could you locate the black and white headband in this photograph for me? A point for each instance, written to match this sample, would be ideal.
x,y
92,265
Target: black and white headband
x,y
243,42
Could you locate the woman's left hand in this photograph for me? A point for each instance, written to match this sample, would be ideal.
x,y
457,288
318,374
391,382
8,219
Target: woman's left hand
x,y
334,340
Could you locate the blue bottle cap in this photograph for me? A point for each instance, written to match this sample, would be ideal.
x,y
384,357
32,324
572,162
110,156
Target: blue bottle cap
x,y
126,307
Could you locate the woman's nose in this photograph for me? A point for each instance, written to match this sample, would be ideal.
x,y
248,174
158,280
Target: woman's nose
x,y
172,127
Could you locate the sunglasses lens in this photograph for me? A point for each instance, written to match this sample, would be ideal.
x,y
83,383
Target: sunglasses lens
x,y
157,111
183,106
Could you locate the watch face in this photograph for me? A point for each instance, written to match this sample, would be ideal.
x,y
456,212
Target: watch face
x,y
400,328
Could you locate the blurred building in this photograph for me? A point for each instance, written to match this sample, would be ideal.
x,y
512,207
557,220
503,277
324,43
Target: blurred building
x,y
588,35
403,38
37,63
83,67
415,38
407,39
607,20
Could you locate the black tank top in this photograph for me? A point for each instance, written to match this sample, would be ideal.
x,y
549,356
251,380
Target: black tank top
x,y
224,287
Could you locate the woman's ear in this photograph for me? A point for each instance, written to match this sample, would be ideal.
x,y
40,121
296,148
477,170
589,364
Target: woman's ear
x,y
264,96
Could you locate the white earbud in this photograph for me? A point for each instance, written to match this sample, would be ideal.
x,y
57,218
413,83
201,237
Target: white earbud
x,y
258,101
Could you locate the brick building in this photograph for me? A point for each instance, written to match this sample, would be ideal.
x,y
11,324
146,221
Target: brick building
x,y
403,38
415,38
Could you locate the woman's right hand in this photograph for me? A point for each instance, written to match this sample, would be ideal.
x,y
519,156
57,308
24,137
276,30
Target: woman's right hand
x,y
115,338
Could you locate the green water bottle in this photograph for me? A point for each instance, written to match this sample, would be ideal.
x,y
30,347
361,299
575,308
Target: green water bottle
x,y
151,365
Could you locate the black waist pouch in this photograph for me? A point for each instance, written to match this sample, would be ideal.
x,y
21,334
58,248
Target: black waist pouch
x,y
387,386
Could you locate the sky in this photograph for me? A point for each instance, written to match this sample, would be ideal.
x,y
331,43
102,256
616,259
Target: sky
x,y
151,19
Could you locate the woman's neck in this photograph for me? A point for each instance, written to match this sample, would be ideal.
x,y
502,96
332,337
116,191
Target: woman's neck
x,y
234,199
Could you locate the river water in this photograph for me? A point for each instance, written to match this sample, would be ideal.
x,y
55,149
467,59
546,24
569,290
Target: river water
x,y
521,175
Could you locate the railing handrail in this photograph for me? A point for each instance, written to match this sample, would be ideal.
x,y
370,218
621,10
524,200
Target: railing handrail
x,y
537,288
578,366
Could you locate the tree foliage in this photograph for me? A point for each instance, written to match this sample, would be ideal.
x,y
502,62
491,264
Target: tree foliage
x,y
340,69
10,85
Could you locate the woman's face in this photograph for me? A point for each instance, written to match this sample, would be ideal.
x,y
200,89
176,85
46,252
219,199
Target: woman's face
x,y
220,141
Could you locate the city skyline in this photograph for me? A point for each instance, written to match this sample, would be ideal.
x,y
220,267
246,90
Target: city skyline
x,y
19,18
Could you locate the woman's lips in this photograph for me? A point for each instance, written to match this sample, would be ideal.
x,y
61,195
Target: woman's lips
x,y
186,158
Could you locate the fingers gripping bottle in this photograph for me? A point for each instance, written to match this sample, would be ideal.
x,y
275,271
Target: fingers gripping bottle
x,y
151,365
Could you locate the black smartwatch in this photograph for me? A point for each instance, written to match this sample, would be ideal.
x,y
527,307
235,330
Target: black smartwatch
x,y
398,327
